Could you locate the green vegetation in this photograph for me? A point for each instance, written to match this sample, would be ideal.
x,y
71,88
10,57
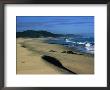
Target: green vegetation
x,y
36,34
42,33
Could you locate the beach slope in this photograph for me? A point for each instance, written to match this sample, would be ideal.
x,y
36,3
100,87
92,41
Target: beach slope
x,y
31,53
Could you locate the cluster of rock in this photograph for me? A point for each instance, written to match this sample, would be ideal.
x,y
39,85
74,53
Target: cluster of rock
x,y
68,52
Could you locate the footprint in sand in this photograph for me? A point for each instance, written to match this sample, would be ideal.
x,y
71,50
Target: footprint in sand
x,y
23,62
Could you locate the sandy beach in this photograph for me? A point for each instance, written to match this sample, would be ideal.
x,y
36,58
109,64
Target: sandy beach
x,y
31,50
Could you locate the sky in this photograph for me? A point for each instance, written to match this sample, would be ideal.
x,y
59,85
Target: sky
x,y
56,24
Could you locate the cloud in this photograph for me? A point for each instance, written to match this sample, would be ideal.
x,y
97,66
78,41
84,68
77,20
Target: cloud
x,y
56,21
29,24
69,23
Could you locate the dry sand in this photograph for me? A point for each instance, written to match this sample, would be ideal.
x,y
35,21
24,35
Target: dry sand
x,y
31,50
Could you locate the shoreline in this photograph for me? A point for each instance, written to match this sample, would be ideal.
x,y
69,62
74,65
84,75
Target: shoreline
x,y
74,49
31,50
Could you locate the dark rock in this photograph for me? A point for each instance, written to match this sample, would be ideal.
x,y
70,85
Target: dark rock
x,y
70,52
52,51
56,62
79,53
52,60
63,52
23,46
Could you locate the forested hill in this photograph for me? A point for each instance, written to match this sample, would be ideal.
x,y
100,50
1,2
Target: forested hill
x,y
36,34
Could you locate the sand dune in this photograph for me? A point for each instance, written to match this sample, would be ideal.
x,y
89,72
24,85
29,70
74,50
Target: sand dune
x,y
30,61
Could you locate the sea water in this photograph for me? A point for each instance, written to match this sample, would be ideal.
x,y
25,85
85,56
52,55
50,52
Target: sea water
x,y
83,43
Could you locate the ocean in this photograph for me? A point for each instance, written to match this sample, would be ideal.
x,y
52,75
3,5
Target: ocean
x,y
83,43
